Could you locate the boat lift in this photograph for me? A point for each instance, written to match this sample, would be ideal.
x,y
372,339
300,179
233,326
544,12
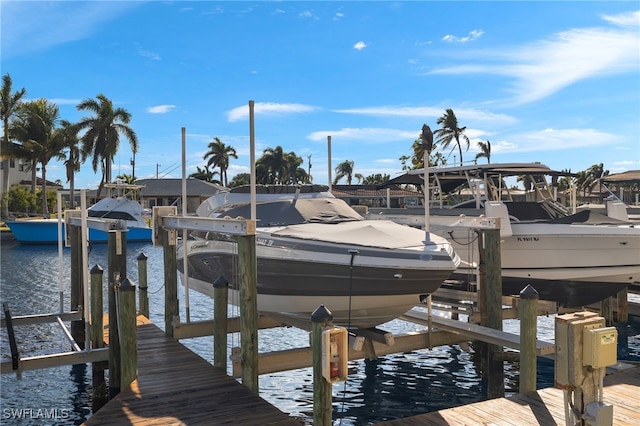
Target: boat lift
x,y
17,364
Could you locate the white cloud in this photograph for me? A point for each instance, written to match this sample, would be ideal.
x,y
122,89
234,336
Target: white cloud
x,y
424,112
359,45
373,135
542,68
160,109
30,26
550,140
61,101
629,19
306,14
148,54
268,109
473,35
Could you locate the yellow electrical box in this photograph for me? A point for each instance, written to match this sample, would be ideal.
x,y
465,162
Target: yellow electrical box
x,y
335,354
599,346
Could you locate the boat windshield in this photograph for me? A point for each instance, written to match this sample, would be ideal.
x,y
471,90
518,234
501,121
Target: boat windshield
x,y
112,214
294,212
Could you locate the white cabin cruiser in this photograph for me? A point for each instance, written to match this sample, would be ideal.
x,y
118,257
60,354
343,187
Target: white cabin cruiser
x,y
573,259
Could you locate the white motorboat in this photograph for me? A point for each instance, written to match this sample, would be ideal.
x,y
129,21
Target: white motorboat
x,y
313,249
573,259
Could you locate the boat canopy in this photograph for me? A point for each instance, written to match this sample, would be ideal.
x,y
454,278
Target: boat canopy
x,y
295,211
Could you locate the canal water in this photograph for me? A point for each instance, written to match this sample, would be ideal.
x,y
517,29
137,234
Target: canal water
x,y
390,387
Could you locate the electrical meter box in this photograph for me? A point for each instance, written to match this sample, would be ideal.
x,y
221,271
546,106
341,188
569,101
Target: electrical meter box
x,y
335,354
569,367
599,346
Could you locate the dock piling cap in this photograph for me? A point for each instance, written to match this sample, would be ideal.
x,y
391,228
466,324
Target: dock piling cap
x,y
127,285
529,293
321,314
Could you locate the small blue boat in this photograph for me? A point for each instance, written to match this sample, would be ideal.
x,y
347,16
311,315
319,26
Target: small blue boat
x,y
45,231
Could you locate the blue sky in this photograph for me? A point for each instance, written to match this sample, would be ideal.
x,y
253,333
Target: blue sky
x,y
554,82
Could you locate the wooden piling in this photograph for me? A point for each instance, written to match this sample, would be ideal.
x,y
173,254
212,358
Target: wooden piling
x,y
168,240
490,298
622,322
322,398
142,285
220,317
77,293
99,392
247,275
528,338
606,310
127,335
117,272
623,306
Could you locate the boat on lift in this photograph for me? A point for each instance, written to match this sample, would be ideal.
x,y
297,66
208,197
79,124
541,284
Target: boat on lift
x,y
572,258
119,207
313,249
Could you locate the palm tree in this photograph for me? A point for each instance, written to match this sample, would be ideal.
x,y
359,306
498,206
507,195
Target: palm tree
x,y
241,179
68,132
9,102
293,173
125,178
35,127
594,174
205,174
102,137
218,156
450,131
272,165
344,170
485,151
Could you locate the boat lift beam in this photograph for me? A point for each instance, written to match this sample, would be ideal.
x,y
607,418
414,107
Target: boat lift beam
x,y
243,227
43,318
100,224
478,332
57,360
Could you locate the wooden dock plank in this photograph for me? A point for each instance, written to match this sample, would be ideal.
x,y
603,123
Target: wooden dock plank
x,y
176,387
544,407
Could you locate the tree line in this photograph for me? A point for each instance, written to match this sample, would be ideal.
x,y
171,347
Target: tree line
x,y
34,133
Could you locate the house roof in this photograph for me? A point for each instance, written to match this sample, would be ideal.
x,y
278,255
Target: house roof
x,y
630,176
173,187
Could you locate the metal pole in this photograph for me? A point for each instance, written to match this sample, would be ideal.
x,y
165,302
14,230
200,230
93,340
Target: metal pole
x,y
60,258
252,159
84,232
185,232
329,160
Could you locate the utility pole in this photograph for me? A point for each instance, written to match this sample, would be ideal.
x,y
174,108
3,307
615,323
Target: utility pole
x,y
309,168
157,166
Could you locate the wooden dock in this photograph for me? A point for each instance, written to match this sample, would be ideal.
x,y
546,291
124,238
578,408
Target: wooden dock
x,y
175,386
544,407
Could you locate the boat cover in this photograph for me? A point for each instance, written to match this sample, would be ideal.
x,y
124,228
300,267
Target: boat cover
x,y
370,233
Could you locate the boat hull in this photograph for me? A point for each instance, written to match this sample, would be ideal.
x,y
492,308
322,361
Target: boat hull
x,y
571,264
361,290
45,231
574,265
